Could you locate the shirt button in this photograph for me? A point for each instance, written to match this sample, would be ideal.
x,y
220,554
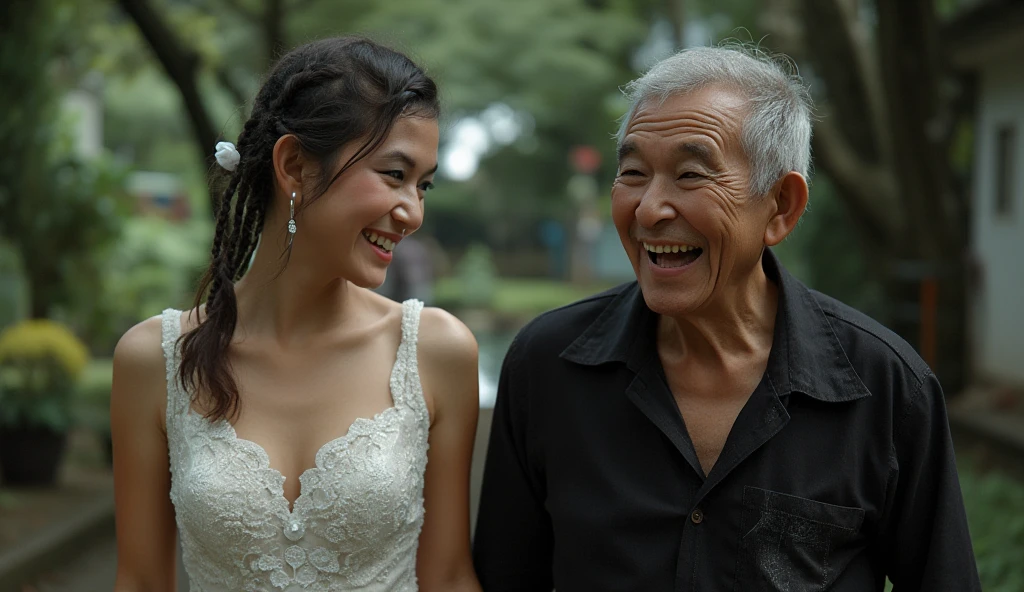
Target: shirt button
x,y
697,517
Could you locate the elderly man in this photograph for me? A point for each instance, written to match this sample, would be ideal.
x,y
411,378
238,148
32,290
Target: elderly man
x,y
716,425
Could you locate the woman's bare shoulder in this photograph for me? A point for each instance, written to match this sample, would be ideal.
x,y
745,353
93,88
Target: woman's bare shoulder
x,y
139,349
445,339
140,369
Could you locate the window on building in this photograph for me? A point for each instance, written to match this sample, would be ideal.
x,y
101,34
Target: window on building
x,y
1006,144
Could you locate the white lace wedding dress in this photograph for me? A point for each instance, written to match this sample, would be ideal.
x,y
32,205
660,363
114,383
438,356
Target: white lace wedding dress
x,y
356,522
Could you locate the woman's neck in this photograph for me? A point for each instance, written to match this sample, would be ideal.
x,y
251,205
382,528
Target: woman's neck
x,y
286,301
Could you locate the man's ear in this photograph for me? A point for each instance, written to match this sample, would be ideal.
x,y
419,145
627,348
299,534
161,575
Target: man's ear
x,y
790,197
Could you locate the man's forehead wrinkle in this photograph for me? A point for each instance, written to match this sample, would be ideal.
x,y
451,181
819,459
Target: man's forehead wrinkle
x,y
638,134
717,112
705,120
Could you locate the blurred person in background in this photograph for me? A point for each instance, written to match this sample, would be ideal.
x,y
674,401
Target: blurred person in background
x,y
283,426
716,425
412,273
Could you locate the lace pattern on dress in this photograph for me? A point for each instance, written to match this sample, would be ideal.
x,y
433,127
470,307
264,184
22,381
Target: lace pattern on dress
x,y
357,520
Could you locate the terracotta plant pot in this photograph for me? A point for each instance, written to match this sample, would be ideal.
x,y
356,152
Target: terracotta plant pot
x,y
30,456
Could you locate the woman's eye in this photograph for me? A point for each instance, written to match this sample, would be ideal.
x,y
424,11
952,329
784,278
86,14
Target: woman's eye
x,y
426,186
690,175
629,173
399,175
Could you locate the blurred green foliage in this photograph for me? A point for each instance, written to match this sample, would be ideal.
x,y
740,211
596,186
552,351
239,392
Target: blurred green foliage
x,y
994,502
91,404
824,252
556,64
519,298
13,292
155,265
59,211
995,513
476,277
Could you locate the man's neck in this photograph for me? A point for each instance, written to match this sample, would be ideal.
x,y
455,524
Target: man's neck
x,y
737,329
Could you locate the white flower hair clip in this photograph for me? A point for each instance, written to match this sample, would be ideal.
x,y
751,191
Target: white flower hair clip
x,y
227,156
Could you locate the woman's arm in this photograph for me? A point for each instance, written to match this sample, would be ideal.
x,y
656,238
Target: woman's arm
x,y
146,533
448,371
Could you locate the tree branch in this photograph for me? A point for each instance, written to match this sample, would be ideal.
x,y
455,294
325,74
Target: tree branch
x,y
865,55
832,51
182,65
866,187
869,189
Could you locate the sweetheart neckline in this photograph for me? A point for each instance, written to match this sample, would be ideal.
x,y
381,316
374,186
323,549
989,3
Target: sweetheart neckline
x,y
353,431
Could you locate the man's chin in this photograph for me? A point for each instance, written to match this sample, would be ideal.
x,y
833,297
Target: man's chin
x,y
666,301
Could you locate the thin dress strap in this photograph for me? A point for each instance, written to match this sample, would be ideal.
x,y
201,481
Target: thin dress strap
x,y
177,402
405,380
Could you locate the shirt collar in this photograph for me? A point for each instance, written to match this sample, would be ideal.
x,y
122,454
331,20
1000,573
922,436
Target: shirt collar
x,y
806,355
623,328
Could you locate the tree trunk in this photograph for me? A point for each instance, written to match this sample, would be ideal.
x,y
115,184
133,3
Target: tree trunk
x,y
676,10
182,66
884,141
273,29
41,289
912,77
919,115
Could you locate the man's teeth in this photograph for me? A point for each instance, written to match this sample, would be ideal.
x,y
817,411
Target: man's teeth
x,y
668,248
382,242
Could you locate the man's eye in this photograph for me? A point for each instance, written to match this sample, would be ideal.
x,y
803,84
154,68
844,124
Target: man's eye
x,y
629,173
691,175
426,186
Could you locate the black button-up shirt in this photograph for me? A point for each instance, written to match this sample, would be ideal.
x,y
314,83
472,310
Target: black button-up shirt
x,y
838,472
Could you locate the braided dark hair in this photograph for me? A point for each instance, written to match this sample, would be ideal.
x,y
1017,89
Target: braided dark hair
x,y
327,94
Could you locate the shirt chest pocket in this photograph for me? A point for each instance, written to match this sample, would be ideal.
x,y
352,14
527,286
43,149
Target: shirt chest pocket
x,y
793,544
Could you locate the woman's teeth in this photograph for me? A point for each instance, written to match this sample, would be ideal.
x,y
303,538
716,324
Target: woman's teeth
x,y
382,242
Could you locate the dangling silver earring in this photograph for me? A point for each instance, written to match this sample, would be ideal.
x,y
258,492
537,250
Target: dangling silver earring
x,y
291,219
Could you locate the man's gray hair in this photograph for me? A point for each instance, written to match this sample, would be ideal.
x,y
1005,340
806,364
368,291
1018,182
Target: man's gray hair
x,y
776,133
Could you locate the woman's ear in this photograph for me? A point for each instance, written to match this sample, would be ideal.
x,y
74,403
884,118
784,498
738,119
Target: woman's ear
x,y
289,164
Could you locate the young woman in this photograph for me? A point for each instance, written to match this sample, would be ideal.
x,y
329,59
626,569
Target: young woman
x,y
283,427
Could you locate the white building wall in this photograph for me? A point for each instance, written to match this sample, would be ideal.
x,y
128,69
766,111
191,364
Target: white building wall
x,y
85,109
999,239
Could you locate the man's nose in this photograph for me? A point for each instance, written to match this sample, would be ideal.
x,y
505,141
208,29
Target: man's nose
x,y
655,205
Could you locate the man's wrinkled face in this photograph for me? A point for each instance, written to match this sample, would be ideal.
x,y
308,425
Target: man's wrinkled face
x,y
681,201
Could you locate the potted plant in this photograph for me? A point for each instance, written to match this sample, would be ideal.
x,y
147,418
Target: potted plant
x,y
40,363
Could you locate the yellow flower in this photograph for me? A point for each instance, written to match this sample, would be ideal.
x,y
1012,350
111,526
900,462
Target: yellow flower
x,y
34,341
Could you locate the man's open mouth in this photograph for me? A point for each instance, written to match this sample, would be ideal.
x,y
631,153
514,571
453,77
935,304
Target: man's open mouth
x,y
672,255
